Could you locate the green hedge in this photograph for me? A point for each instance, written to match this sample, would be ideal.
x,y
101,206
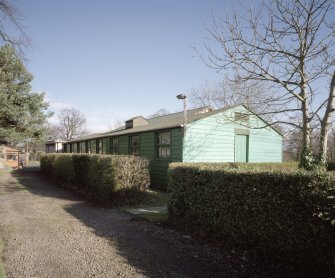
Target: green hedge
x,y
271,166
283,215
106,178
331,166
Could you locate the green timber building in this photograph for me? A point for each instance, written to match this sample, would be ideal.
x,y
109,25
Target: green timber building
x,y
231,134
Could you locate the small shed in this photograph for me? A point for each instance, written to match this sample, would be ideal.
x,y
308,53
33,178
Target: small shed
x,y
10,157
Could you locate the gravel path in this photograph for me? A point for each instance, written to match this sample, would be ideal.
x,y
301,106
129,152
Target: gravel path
x,y
50,232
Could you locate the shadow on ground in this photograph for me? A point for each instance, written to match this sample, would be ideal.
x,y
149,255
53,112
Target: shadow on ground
x,y
32,181
152,250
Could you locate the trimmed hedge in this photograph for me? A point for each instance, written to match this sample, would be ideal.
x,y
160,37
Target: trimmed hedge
x,y
288,215
271,166
104,178
330,166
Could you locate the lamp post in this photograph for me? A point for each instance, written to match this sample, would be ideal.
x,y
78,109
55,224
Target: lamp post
x,y
183,97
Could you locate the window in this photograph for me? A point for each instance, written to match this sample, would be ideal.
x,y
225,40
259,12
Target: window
x,y
105,147
88,147
99,146
93,147
114,145
11,157
83,147
74,146
241,117
163,144
134,145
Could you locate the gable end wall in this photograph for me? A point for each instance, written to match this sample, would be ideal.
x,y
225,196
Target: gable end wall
x,y
212,139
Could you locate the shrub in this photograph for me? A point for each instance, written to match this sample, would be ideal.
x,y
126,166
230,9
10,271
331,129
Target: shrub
x,y
47,164
81,166
104,178
271,166
288,215
63,169
330,166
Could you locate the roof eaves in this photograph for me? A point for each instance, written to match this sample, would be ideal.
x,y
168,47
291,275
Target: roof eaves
x,y
140,129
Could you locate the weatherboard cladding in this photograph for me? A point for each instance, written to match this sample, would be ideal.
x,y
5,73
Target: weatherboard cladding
x,y
213,139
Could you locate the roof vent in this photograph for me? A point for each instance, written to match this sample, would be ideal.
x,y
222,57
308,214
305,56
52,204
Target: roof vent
x,y
129,124
136,122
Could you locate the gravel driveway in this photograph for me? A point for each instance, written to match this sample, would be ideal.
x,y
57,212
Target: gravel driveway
x,y
48,231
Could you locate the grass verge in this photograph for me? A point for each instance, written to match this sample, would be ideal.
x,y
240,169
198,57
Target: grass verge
x,y
153,201
2,267
151,198
159,217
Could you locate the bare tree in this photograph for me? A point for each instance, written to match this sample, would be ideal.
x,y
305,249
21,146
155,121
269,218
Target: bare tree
x,y
115,124
288,45
53,132
72,123
226,93
10,19
160,112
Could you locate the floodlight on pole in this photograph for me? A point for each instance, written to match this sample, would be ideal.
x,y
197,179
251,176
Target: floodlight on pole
x,y
183,97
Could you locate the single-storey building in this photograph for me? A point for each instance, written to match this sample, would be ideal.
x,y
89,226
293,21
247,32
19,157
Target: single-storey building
x,y
54,146
231,134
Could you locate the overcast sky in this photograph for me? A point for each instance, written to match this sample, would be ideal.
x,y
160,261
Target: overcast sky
x,y
114,60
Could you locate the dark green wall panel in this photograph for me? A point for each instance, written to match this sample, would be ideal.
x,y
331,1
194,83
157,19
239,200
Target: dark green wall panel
x,y
123,145
158,167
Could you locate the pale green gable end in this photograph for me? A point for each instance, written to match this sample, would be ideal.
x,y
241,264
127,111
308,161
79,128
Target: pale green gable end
x,y
218,138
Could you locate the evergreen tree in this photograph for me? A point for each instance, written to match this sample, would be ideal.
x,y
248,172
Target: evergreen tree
x,y
22,112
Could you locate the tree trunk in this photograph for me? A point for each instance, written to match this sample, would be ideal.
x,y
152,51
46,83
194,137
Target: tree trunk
x,y
306,159
326,122
306,139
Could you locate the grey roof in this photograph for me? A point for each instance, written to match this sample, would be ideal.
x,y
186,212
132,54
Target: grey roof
x,y
55,141
162,122
86,137
157,123
167,121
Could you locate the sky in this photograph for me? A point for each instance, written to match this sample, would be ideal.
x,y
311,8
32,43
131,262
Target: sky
x,y
116,59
